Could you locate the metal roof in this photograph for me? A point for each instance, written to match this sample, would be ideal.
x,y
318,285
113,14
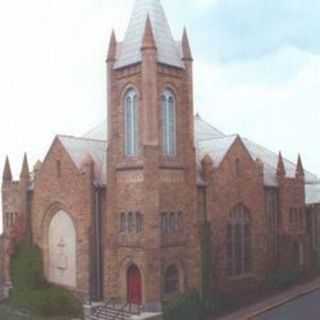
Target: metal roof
x,y
312,193
79,148
208,139
168,50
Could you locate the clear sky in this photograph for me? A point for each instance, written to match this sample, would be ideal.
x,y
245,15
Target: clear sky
x,y
257,70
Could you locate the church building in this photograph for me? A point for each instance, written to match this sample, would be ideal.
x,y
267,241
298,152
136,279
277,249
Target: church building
x,y
121,212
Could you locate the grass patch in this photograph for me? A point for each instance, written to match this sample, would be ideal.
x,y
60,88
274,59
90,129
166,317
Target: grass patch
x,y
185,307
31,291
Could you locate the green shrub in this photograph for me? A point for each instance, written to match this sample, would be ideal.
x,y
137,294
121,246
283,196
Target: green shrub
x,y
185,307
30,290
26,268
283,279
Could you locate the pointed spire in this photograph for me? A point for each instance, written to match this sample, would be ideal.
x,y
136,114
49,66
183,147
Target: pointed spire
x,y
186,49
148,38
112,47
25,173
281,171
299,169
168,52
7,175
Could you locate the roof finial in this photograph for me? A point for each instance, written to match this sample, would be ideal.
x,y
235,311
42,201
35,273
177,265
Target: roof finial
x,y
186,49
25,173
112,47
281,171
148,38
7,174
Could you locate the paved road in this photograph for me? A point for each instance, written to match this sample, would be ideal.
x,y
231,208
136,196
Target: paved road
x,y
304,308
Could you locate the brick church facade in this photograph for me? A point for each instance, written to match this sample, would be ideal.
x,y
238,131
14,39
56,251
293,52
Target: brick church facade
x,y
120,211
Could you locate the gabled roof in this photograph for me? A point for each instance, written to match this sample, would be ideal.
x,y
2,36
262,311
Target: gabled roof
x,y
97,133
217,148
130,51
208,139
79,148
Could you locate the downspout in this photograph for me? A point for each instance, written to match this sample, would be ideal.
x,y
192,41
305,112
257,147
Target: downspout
x,y
98,241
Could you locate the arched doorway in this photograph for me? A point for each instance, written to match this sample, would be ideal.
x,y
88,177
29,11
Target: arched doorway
x,y
134,285
62,250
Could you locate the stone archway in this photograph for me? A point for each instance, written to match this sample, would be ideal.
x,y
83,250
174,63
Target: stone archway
x,y
62,250
134,285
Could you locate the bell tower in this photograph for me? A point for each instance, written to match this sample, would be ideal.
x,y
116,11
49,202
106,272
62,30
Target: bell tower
x,y
152,247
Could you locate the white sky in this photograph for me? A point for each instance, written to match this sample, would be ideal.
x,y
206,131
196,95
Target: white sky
x,y
52,77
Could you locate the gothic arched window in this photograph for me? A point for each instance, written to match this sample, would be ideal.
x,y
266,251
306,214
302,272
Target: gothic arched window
x,y
139,222
172,280
131,123
239,242
131,222
168,106
123,222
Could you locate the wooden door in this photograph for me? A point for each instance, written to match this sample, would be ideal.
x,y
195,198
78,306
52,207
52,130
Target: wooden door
x,y
134,285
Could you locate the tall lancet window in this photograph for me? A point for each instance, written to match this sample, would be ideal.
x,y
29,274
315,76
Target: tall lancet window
x,y
168,106
131,123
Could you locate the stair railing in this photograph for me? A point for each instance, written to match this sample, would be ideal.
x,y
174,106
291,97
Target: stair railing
x,y
121,311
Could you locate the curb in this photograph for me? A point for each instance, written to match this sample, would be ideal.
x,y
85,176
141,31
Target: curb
x,y
280,303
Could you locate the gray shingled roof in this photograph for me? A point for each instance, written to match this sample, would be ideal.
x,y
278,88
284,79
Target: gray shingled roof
x,y
209,140
313,193
130,51
79,148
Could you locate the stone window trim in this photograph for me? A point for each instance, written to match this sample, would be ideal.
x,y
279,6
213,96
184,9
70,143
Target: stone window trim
x,y
172,281
172,221
58,168
10,219
168,111
297,219
238,167
131,222
131,123
239,242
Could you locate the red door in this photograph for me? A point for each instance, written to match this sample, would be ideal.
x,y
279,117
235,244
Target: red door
x,y
134,286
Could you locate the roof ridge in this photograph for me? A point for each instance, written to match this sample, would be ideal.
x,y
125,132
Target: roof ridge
x,y
284,158
197,116
217,138
81,138
167,50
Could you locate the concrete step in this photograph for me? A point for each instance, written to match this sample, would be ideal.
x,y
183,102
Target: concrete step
x,y
111,313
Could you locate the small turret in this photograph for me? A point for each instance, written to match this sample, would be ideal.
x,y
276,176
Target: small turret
x,y
186,49
112,48
207,166
148,37
281,171
299,168
7,174
25,172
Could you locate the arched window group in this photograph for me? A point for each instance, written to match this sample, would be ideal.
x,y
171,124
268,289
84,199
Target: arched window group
x,y
168,107
171,222
131,123
10,218
131,222
171,280
239,242
131,115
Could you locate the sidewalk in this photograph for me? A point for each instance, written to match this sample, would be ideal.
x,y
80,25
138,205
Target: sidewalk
x,y
251,312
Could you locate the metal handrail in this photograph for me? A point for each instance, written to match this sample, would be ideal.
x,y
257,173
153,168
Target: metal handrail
x,y
98,310
138,309
121,311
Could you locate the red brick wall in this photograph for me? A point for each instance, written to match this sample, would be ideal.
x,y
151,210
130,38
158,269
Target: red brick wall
x,y
225,191
150,183
71,192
